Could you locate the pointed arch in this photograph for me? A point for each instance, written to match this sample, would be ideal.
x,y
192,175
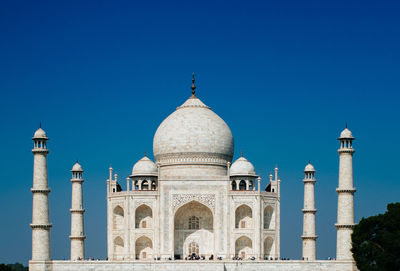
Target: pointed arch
x,y
193,224
143,217
269,221
118,247
143,248
243,247
118,218
268,243
243,217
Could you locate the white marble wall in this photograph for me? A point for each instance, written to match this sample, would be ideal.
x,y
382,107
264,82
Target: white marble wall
x,y
216,198
40,207
193,266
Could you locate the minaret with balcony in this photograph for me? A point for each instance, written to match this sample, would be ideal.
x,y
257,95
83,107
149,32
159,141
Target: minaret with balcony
x,y
77,227
40,210
346,190
309,237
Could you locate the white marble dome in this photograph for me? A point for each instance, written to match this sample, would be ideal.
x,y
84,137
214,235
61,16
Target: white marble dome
x,y
242,166
309,168
346,133
193,134
77,167
144,167
40,133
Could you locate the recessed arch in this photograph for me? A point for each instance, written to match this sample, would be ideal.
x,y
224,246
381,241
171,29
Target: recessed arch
x,y
118,218
269,221
243,217
193,223
268,243
143,217
143,248
243,247
118,248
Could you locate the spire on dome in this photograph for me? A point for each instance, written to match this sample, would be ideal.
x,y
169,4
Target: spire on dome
x,y
193,86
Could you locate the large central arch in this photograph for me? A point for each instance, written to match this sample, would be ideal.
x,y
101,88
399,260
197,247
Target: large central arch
x,y
193,224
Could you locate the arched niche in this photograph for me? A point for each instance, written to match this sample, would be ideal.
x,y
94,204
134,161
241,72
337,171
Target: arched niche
x,y
193,223
118,218
243,217
244,247
268,243
143,248
143,217
269,221
118,248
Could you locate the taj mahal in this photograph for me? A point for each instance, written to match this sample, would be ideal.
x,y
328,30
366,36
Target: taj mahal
x,y
193,208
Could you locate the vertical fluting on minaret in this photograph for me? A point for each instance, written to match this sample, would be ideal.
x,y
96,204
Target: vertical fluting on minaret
x,y
77,231
309,237
345,214
40,209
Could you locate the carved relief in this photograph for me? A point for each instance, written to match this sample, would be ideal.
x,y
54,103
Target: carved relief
x,y
180,199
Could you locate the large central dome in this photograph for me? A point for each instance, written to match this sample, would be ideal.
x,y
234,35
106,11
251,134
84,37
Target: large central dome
x,y
195,135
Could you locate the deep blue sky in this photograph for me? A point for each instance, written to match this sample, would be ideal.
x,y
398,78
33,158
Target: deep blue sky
x,y
285,76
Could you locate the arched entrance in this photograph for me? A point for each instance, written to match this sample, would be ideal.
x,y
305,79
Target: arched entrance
x,y
243,247
243,217
268,218
143,248
118,248
143,217
268,242
193,230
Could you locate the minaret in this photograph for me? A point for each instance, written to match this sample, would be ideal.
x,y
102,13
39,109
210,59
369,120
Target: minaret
x,y
309,237
77,233
40,208
345,215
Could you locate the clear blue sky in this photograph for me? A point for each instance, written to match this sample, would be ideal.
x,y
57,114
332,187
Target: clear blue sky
x,y
286,77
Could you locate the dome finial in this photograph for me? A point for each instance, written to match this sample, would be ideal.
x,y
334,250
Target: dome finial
x,y
241,154
346,124
193,86
40,124
145,153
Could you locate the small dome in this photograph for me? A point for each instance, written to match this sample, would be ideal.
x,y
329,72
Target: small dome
x,y
144,167
77,167
346,133
309,168
40,133
242,167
